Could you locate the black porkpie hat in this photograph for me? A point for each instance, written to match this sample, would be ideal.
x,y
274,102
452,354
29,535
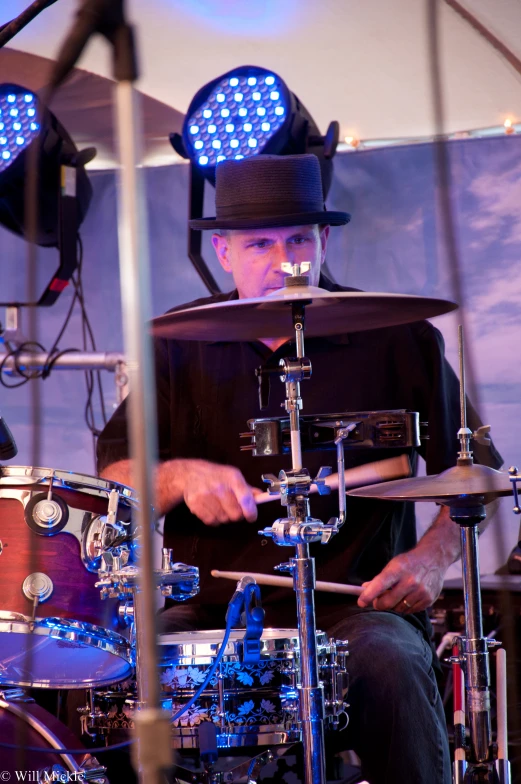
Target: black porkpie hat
x,y
269,191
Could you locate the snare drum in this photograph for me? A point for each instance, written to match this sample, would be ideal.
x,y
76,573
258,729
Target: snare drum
x,y
250,704
55,632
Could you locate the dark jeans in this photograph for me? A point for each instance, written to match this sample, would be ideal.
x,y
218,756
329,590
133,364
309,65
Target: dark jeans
x,y
396,720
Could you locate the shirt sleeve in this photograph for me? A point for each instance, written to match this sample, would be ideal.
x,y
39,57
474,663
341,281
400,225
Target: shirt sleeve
x,y
113,443
442,409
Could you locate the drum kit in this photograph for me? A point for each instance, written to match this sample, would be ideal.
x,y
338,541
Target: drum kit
x,y
68,543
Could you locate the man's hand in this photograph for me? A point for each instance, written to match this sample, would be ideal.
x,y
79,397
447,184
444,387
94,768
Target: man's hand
x,y
413,581
217,493
214,493
409,583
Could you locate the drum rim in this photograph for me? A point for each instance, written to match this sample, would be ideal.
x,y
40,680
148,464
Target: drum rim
x,y
62,478
184,645
67,630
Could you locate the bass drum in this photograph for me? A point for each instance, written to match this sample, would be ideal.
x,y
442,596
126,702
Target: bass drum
x,y
25,724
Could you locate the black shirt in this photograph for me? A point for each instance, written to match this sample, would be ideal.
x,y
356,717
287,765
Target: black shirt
x,y
206,392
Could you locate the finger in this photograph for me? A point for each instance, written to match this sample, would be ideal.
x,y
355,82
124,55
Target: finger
x,y
418,600
376,587
404,606
392,598
208,509
231,507
246,501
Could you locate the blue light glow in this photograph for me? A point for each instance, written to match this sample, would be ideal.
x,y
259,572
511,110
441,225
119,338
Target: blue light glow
x,y
17,130
238,157
238,117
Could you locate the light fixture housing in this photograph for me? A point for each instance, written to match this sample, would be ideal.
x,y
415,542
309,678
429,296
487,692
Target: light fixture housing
x,y
64,192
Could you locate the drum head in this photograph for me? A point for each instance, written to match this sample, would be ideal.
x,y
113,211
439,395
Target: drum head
x,y
54,653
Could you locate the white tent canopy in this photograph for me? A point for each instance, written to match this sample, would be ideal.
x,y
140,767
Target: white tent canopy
x,y
364,63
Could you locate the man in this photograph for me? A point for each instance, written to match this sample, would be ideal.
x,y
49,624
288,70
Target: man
x,y
270,211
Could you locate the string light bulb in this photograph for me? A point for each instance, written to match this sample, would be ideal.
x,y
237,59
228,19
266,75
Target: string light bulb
x,y
508,125
352,141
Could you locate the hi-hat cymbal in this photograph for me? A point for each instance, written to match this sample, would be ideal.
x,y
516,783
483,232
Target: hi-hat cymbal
x,y
461,480
329,313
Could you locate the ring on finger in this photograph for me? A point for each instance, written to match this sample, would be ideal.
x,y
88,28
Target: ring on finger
x,y
406,603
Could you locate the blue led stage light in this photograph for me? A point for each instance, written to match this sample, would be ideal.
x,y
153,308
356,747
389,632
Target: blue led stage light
x,y
17,126
232,103
249,111
64,191
244,112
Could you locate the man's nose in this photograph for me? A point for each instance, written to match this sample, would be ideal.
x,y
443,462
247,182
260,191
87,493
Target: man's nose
x,y
281,254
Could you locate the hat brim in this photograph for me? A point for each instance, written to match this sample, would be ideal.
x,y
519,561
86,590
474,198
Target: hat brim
x,y
328,217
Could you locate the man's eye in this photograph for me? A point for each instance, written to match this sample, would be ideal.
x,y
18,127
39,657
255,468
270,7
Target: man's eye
x,y
299,240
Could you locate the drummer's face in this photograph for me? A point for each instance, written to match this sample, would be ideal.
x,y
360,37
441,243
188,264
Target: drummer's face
x,y
254,256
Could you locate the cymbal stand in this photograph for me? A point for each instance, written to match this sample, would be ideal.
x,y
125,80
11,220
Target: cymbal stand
x,y
468,511
299,529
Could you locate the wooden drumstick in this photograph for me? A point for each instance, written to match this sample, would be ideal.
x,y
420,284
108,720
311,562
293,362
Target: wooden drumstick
x,y
287,582
368,474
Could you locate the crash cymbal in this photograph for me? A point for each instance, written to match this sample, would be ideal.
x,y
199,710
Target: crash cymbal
x,y
461,480
329,313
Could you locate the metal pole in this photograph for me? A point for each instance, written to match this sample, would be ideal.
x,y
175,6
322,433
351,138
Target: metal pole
x,y
311,697
75,360
475,647
152,724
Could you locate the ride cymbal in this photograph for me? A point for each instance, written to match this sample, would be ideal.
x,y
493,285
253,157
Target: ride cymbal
x,y
328,313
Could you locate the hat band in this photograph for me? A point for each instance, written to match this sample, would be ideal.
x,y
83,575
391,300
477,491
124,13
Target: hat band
x,y
267,209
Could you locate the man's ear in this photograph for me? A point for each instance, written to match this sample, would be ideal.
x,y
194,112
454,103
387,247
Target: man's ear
x,y
221,246
324,235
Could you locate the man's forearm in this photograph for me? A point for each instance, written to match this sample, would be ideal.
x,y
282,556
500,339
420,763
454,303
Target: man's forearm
x,y
442,539
168,481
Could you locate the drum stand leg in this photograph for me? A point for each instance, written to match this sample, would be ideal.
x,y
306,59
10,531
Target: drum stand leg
x,y
475,658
